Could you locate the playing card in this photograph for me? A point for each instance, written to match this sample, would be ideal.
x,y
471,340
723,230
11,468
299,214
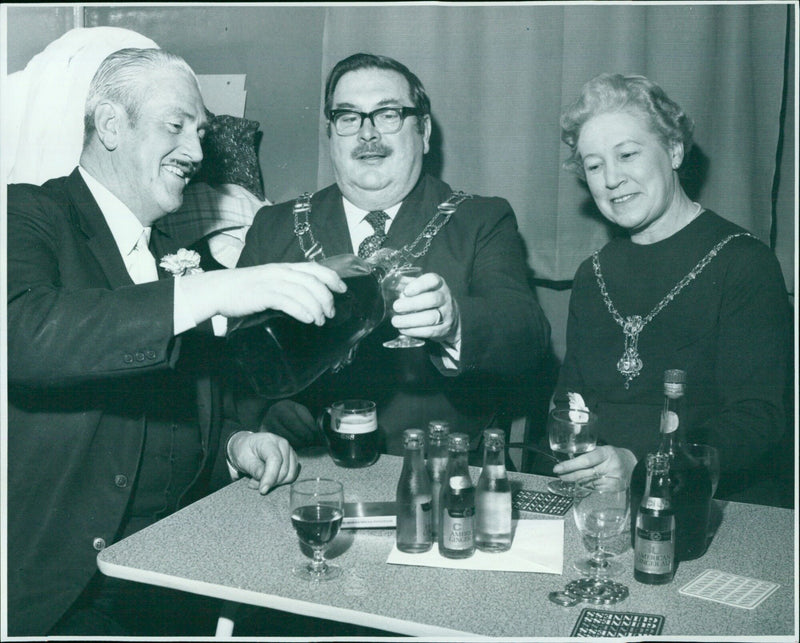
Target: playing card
x,y
729,589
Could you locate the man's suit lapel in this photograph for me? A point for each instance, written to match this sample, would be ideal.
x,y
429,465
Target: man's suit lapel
x,y
329,224
89,219
412,217
161,244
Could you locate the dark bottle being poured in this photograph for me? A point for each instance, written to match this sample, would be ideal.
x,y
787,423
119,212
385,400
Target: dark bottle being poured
x,y
690,480
281,356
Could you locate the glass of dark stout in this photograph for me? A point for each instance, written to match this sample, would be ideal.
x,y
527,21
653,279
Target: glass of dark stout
x,y
317,509
351,433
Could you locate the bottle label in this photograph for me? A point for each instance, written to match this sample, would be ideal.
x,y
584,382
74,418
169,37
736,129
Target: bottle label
x,y
673,390
655,503
494,512
460,482
654,551
457,531
669,422
355,424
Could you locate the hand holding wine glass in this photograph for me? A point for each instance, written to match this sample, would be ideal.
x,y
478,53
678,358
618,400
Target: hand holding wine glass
x,y
393,285
317,509
570,433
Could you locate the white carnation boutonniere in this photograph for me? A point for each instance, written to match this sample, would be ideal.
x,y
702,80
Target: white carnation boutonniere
x,y
184,262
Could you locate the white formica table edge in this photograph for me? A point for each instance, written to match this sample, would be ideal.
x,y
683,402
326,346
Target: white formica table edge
x,y
304,608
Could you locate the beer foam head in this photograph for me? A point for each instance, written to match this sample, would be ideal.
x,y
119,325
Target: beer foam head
x,y
357,423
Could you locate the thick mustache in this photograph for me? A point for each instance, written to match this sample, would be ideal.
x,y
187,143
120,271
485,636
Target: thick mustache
x,y
377,148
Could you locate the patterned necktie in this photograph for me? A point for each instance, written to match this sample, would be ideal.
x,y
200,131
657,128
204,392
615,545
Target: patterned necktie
x,y
140,262
377,219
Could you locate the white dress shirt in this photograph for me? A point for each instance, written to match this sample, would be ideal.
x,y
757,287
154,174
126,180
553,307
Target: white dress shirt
x,y
358,225
127,231
129,234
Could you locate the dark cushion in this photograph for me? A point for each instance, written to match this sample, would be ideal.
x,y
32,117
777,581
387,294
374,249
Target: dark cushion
x,y
229,153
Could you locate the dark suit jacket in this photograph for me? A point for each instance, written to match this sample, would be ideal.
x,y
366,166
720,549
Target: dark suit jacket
x,y
481,256
90,356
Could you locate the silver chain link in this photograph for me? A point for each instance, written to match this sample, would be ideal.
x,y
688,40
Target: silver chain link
x,y
313,251
630,364
302,228
444,211
693,273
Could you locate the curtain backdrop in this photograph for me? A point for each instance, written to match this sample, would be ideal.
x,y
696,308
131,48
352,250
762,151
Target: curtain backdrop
x,y
499,75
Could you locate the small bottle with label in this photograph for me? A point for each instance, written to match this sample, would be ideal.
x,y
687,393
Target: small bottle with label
x,y
414,507
654,549
457,502
437,465
493,496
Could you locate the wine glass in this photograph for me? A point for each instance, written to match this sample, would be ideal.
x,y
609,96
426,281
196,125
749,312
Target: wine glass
x,y
317,509
601,512
709,456
393,285
571,433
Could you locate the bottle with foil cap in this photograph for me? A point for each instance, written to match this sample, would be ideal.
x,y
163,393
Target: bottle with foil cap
x,y
654,549
438,431
690,479
493,496
457,502
413,531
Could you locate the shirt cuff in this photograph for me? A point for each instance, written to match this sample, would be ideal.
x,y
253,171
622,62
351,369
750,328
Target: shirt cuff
x,y
232,470
183,315
220,325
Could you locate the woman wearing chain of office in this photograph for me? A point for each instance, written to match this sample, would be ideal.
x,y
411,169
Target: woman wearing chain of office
x,y
683,289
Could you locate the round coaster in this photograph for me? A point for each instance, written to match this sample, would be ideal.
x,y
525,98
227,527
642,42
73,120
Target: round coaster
x,y
598,591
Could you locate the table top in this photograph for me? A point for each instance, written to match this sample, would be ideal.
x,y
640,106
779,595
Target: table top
x,y
240,546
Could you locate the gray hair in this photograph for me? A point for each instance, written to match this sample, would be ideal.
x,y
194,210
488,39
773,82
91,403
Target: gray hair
x,y
122,77
615,93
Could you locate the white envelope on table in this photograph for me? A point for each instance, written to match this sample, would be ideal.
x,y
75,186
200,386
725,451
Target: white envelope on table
x,y
538,546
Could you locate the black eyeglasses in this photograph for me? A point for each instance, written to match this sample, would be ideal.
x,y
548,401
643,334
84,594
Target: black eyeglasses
x,y
387,120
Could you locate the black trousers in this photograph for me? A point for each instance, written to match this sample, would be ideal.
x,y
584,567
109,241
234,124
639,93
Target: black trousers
x,y
115,607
